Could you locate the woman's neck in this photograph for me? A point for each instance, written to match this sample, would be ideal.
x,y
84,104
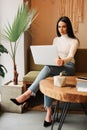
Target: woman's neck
x,y
64,35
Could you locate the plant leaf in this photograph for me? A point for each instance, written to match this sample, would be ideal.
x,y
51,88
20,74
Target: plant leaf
x,y
2,70
21,22
3,49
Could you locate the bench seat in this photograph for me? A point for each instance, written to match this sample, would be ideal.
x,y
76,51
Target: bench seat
x,y
30,76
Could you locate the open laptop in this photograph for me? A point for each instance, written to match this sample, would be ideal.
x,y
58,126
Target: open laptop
x,y
44,54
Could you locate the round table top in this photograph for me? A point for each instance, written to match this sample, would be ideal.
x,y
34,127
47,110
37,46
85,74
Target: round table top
x,y
67,93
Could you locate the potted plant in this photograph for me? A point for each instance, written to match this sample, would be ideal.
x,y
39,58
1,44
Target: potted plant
x,y
60,80
12,33
2,67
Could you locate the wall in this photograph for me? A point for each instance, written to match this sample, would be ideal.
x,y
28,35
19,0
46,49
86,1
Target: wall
x,y
82,34
8,9
43,28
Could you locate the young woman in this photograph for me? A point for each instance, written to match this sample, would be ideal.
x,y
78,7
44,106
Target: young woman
x,y
67,44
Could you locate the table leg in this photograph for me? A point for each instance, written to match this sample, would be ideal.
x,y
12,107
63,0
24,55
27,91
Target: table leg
x,y
84,108
56,114
63,114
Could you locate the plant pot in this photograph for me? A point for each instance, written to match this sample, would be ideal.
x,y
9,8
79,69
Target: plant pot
x,y
59,81
8,91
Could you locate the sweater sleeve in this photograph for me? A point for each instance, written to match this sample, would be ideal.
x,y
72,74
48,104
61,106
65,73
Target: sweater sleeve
x,y
72,51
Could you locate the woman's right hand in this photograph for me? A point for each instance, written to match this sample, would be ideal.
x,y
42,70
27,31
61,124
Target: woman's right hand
x,y
59,61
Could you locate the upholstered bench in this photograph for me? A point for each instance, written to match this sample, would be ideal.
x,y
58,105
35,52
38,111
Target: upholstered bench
x,y
32,74
29,78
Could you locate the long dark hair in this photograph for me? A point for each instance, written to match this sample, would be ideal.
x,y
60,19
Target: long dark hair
x,y
70,32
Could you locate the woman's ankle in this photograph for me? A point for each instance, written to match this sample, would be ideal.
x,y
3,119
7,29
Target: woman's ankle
x,y
48,115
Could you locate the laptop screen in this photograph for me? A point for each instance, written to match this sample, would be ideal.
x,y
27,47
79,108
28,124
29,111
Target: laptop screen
x,y
44,54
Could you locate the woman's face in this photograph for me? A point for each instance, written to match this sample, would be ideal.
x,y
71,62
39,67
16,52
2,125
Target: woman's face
x,y
62,27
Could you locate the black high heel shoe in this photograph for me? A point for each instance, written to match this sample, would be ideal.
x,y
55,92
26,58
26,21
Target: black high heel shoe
x,y
18,103
46,124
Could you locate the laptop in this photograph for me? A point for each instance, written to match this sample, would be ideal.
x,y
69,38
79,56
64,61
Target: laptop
x,y
44,54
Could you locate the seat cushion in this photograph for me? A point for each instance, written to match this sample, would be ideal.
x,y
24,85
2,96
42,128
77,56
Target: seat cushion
x,y
30,77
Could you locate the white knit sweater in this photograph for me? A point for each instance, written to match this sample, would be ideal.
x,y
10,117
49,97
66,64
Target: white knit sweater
x,y
66,47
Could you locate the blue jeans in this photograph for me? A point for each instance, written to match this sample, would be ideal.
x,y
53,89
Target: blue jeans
x,y
51,71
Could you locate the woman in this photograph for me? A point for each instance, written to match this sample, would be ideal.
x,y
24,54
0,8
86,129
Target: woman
x,y
66,44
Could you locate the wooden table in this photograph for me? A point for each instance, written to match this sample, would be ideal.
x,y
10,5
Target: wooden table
x,y
67,94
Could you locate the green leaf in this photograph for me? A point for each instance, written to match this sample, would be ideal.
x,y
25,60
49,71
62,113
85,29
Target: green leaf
x,y
2,70
63,73
3,49
21,22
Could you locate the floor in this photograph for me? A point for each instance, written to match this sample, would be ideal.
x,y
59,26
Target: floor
x,y
33,120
